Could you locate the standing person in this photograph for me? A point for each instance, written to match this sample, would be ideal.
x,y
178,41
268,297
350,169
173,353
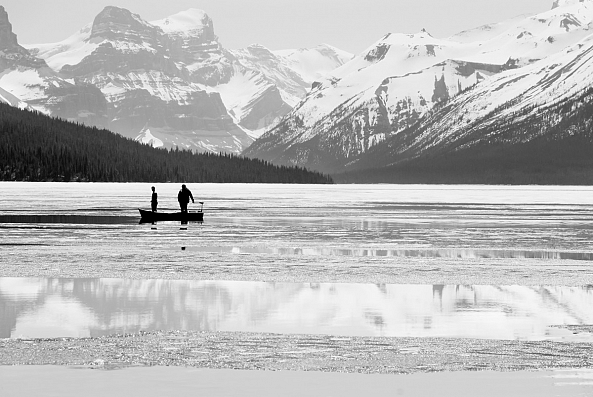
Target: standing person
x,y
183,197
154,201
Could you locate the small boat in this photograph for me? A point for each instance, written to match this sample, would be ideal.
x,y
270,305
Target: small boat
x,y
149,216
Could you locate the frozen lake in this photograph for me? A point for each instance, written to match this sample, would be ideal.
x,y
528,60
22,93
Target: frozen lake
x,y
495,262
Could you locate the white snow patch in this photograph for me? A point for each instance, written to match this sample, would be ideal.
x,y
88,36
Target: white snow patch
x,y
147,138
240,91
315,63
24,84
185,21
67,52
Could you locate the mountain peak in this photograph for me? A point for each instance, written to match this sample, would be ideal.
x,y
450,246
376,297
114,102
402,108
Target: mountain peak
x,y
425,32
115,21
184,21
7,37
118,14
192,25
564,3
259,51
12,54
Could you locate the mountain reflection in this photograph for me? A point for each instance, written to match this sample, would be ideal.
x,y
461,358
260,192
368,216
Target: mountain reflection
x,y
94,307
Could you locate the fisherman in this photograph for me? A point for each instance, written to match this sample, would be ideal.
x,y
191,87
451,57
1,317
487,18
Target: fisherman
x,y
183,197
154,201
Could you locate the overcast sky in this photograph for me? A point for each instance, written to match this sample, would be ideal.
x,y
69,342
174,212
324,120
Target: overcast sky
x,y
351,25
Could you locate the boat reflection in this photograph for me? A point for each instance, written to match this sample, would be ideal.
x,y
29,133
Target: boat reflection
x,y
93,307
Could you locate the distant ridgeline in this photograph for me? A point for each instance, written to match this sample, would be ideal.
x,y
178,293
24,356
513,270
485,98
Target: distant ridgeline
x,y
35,147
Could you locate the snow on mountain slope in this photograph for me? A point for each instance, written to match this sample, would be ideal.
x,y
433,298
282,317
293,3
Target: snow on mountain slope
x,y
509,97
394,55
563,3
192,42
266,84
538,36
189,23
67,52
26,81
41,90
262,88
315,63
360,104
253,101
258,86
487,32
237,93
147,138
25,84
272,68
520,126
522,40
12,100
393,83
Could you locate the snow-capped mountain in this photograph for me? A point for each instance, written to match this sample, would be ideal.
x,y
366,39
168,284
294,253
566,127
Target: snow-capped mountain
x,y
395,83
168,82
280,80
315,63
548,102
26,81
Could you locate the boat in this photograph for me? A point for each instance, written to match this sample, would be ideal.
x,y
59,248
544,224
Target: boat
x,y
147,216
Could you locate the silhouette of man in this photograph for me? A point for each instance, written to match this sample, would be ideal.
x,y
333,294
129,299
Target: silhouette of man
x,y
183,197
154,201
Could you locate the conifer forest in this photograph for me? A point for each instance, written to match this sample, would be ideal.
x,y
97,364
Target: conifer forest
x,y
36,147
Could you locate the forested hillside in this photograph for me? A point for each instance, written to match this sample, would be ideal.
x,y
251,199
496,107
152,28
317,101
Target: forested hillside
x,y
35,147
561,152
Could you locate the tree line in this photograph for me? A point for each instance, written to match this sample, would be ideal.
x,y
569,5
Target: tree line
x,y
36,147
